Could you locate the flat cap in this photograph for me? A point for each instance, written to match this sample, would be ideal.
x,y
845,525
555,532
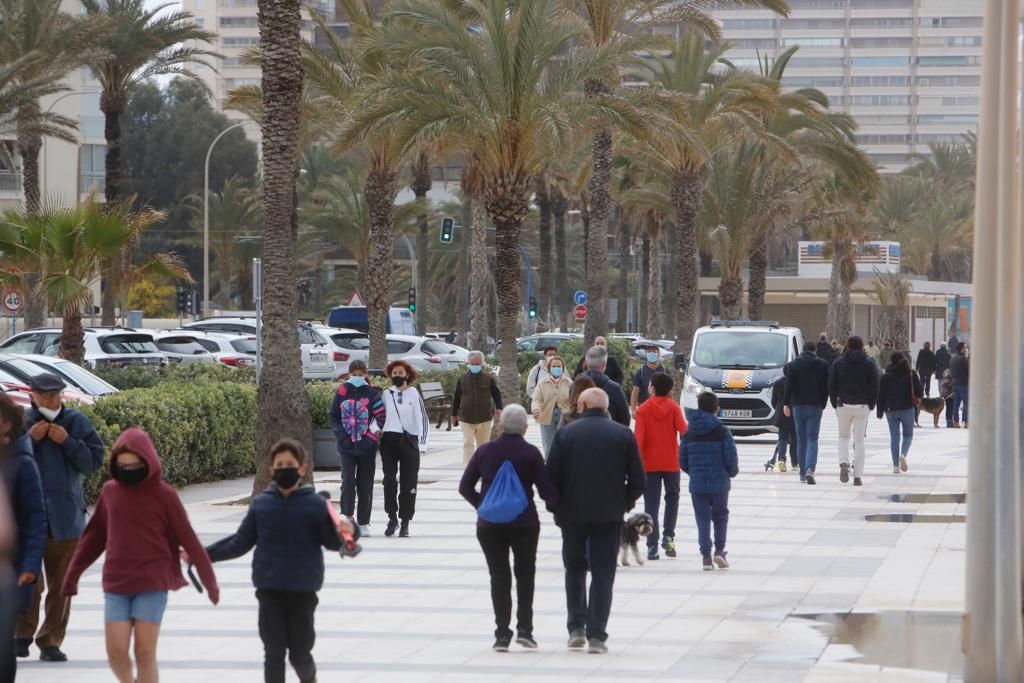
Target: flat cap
x,y
45,382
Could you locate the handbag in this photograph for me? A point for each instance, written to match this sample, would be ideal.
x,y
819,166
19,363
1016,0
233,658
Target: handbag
x,y
505,499
413,440
915,400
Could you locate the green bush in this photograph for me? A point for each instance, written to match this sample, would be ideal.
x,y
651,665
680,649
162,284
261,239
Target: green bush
x,y
137,377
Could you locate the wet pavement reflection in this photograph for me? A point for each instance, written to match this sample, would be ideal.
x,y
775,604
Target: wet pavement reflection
x,y
913,518
925,498
915,640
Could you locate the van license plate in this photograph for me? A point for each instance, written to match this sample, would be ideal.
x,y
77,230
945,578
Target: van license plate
x,y
738,413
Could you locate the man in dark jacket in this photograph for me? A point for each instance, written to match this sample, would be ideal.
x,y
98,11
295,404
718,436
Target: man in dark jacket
x,y
941,362
805,397
853,391
475,405
960,375
595,466
614,371
824,349
784,423
597,358
67,449
926,367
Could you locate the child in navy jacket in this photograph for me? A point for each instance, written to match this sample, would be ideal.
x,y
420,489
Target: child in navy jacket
x,y
288,523
708,455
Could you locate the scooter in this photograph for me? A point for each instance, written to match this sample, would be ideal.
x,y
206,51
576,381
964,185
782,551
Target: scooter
x,y
349,547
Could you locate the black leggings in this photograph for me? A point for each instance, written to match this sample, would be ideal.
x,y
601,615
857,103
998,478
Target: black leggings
x,y
496,542
400,460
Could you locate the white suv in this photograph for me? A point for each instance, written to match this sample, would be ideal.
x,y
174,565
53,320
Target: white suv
x,y
317,357
233,350
104,346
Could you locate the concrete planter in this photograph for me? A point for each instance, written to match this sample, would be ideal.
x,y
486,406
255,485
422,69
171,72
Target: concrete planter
x,y
325,450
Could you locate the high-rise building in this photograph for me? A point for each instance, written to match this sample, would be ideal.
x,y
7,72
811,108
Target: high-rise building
x,y
908,70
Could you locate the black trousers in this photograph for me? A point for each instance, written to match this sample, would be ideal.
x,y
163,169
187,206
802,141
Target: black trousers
x,y
8,598
357,481
286,625
496,542
926,380
596,546
400,460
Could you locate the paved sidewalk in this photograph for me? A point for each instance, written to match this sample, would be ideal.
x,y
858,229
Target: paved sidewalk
x,y
418,609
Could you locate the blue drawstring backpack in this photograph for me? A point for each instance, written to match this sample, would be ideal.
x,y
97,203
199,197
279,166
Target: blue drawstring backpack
x,y
505,499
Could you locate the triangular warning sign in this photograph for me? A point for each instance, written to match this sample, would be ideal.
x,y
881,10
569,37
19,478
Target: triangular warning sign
x,y
356,299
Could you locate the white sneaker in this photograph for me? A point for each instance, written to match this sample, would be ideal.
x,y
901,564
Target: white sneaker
x,y
903,463
364,530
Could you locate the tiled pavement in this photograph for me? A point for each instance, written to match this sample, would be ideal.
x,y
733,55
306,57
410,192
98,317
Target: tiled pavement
x,y
418,609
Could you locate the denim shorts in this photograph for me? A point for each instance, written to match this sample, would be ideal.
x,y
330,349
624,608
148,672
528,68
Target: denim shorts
x,y
139,607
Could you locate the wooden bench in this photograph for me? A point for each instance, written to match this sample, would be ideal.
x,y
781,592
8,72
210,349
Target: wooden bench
x,y
437,403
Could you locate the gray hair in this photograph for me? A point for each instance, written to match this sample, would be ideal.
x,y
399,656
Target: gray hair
x,y
514,420
597,358
475,354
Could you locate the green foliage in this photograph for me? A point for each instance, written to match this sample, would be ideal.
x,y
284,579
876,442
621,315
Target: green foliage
x,y
135,377
155,300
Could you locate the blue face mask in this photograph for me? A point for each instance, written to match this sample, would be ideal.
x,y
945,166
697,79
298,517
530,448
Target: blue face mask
x,y
556,372
357,381
652,357
475,369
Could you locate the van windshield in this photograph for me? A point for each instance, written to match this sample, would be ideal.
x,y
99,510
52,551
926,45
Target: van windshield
x,y
744,350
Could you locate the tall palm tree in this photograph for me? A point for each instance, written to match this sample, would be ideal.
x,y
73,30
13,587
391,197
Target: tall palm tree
x,y
500,91
542,197
142,43
421,182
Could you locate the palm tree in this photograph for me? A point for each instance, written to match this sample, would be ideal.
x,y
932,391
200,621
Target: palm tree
x,y
422,181
142,43
500,92
542,197
892,291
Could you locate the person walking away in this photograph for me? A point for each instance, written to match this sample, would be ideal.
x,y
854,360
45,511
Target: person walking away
x,y
960,376
823,348
595,466
67,449
579,385
784,423
405,435
926,367
613,369
954,343
641,390
708,456
357,418
24,489
853,391
289,525
520,535
837,351
804,399
551,400
539,371
899,392
885,356
659,424
141,525
874,353
597,361
476,404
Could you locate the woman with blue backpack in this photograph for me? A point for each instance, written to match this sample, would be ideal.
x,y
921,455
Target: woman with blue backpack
x,y
509,468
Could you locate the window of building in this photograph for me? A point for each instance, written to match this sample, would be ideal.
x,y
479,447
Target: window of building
x,y
237,3
949,81
241,41
92,168
885,42
952,22
812,82
879,100
881,4
963,41
817,4
891,139
754,44
816,62
232,83
747,24
234,62
812,42
881,22
950,60
881,61
814,24
238,22
880,81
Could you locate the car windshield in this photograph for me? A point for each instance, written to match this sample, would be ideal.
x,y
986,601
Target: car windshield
x,y
351,341
244,346
128,343
90,383
183,345
730,349
307,335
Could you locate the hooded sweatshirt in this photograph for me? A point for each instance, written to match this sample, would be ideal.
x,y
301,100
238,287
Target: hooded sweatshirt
x,y
853,380
142,528
659,424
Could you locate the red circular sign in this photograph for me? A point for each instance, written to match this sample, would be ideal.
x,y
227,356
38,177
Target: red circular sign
x,y
580,312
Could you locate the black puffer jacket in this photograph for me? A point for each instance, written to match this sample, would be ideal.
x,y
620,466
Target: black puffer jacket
x,y
854,380
959,369
807,382
926,361
894,390
785,424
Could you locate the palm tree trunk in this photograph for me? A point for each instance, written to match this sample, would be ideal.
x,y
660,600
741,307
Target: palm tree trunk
x,y
544,228
686,200
462,294
282,405
838,319
480,287
655,302
585,221
112,104
625,270
644,290
671,286
597,236
758,279
225,285
421,184
559,206
29,146
730,296
381,187
508,211
72,338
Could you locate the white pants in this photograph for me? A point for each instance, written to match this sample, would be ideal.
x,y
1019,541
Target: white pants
x,y
853,418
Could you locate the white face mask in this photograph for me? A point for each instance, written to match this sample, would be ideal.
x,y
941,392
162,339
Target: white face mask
x,y
48,413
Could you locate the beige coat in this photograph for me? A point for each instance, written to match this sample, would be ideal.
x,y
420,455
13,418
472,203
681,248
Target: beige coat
x,y
548,393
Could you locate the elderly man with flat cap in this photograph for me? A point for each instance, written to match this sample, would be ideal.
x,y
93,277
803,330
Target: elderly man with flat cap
x,y
595,465
67,449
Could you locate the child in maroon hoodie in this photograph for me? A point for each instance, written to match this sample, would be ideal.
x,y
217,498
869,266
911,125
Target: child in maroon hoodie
x,y
141,524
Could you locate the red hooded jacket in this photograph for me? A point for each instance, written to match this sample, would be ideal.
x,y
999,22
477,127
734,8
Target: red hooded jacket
x,y
659,424
142,528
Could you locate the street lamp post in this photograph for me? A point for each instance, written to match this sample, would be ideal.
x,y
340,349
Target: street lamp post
x,y
206,216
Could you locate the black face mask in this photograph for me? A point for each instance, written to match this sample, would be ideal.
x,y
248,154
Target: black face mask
x,y
286,477
130,477
398,380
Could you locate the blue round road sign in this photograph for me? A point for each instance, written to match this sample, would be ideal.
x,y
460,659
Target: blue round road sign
x,y
580,298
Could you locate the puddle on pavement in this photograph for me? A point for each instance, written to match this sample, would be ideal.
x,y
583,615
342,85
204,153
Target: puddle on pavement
x,y
927,641
926,498
910,518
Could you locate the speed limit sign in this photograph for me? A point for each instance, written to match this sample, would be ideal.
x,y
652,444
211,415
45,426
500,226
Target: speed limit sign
x,y
12,302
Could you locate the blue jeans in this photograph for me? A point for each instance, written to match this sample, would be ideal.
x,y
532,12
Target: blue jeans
x,y
147,607
898,419
547,432
787,439
708,508
959,400
808,424
652,501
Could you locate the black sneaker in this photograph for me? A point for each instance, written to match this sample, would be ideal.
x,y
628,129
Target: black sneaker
x,y
844,472
652,554
21,646
392,525
403,531
810,480
501,644
527,641
52,654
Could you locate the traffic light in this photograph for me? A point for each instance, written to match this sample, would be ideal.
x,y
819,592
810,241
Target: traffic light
x,y
532,308
412,299
184,300
447,230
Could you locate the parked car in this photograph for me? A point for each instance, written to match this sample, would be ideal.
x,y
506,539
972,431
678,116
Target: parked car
x,y
536,342
347,345
182,349
233,350
640,350
317,359
76,376
104,346
420,352
16,373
